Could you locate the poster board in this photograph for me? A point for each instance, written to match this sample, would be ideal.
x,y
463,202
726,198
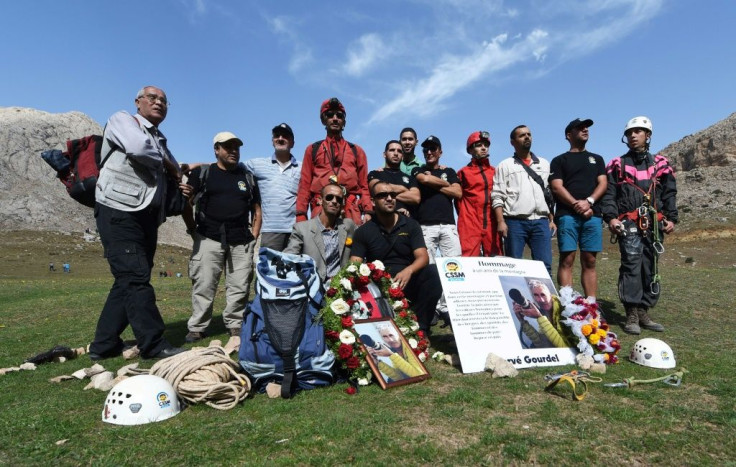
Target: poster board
x,y
478,291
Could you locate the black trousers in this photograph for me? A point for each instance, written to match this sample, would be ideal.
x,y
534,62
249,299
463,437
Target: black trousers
x,y
636,273
129,240
423,292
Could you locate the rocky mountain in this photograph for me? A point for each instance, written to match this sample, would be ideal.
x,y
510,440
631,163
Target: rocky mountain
x,y
706,168
31,197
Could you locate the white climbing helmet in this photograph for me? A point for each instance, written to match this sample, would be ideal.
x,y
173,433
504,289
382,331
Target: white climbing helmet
x,y
639,122
140,399
652,353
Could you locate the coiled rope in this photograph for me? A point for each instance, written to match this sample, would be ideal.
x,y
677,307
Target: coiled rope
x,y
206,375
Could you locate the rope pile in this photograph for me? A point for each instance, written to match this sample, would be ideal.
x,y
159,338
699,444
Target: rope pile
x,y
206,375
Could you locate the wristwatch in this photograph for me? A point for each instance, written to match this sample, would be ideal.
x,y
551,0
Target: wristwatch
x,y
590,200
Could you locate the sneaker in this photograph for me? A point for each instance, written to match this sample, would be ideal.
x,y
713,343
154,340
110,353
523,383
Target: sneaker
x,y
193,336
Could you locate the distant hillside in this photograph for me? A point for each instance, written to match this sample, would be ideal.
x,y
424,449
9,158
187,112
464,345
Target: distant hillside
x,y
706,169
31,197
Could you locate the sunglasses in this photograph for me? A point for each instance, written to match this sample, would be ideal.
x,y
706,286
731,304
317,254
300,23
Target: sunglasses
x,y
332,113
330,197
385,194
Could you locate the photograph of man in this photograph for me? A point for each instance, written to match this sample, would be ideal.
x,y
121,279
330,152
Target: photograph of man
x,y
400,362
544,309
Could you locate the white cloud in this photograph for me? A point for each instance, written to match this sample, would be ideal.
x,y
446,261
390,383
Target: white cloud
x,y
284,27
364,53
454,73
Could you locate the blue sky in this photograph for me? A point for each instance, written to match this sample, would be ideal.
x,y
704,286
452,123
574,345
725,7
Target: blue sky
x,y
445,67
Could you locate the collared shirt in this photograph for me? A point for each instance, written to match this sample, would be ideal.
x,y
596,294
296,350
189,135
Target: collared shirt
x,y
332,252
408,168
278,188
517,192
395,248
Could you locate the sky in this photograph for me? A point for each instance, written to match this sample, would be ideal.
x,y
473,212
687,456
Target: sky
x,y
445,67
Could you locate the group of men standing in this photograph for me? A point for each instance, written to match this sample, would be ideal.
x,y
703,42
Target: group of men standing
x,y
402,214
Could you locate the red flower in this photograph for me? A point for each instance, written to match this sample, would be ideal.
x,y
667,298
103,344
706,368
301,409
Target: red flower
x,y
352,280
345,351
352,363
350,302
347,322
331,292
351,390
420,334
604,326
377,275
403,314
396,293
422,344
414,317
332,335
364,280
371,266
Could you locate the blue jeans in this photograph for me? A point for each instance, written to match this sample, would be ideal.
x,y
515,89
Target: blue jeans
x,y
534,233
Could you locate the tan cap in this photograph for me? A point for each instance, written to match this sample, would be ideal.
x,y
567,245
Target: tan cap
x,y
226,136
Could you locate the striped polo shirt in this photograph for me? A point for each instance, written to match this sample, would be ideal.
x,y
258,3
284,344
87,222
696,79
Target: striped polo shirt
x,y
278,187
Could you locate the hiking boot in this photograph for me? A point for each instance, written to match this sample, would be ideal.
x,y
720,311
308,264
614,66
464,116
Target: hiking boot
x,y
193,336
632,321
234,332
646,322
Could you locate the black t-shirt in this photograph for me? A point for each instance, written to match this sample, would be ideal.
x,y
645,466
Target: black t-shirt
x,y
579,172
395,249
395,177
226,204
435,207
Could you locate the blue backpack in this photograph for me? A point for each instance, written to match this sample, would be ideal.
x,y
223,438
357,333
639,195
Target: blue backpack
x,y
283,338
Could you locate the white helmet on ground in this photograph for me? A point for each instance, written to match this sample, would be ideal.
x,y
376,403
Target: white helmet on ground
x,y
639,122
652,353
140,399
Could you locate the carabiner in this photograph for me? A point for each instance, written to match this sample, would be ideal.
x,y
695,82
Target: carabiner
x,y
643,222
658,247
654,287
673,380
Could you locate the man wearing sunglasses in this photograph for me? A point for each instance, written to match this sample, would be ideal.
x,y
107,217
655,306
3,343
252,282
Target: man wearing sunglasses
x,y
397,241
334,159
326,237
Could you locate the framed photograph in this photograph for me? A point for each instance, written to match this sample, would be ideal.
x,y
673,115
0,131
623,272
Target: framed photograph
x,y
388,353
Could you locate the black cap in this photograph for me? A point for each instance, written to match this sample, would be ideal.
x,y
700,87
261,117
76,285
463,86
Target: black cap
x,y
432,141
281,129
578,123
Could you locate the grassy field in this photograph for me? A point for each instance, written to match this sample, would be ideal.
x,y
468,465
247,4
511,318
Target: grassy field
x,y
451,419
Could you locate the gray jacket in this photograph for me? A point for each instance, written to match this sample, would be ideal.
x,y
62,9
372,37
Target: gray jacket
x,y
133,177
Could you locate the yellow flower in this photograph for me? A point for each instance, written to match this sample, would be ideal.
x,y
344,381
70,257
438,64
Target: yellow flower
x,y
602,333
348,241
587,329
606,357
595,323
594,338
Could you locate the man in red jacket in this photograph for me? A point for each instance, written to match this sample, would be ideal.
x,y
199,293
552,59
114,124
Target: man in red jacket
x,y
476,225
337,160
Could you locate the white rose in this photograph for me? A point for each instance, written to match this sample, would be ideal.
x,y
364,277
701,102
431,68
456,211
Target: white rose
x,y
364,270
423,357
379,265
403,330
414,327
413,343
438,356
363,381
398,304
346,284
339,306
347,337
351,269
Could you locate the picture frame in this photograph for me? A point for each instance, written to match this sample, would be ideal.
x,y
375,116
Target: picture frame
x,y
388,353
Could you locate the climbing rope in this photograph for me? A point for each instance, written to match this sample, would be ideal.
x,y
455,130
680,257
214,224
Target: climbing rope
x,y
673,379
206,375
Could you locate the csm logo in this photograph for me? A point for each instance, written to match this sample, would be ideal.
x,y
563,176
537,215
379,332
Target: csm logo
x,y
453,271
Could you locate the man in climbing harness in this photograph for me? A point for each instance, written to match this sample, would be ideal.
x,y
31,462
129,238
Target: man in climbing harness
x,y
336,160
639,206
